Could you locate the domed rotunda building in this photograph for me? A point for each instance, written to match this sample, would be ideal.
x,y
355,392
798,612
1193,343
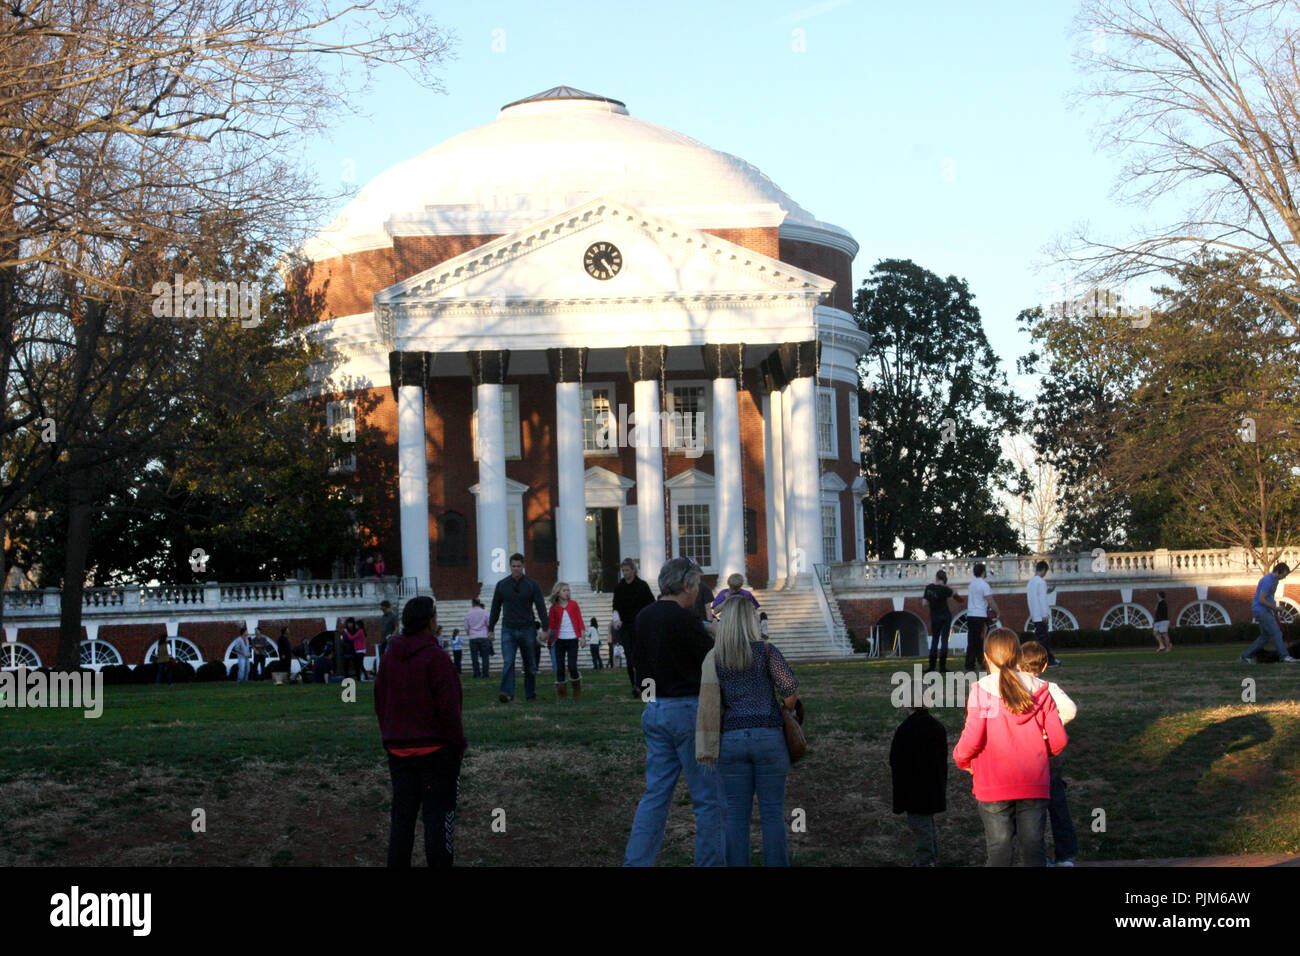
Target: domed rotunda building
x,y
583,336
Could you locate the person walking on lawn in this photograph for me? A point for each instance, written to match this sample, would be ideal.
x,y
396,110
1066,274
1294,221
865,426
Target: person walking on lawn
x,y
418,704
514,601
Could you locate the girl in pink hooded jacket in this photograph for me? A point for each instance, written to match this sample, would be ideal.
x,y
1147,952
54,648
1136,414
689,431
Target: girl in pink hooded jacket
x,y
1012,728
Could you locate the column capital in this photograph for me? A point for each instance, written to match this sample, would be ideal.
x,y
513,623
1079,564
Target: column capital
x,y
567,365
408,368
798,359
489,367
645,363
723,360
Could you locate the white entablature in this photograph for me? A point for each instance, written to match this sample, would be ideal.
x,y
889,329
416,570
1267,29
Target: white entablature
x,y
676,286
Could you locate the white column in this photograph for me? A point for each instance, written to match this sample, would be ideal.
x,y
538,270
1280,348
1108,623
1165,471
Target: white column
x,y
793,559
807,493
774,479
860,545
413,485
729,509
649,479
493,532
571,513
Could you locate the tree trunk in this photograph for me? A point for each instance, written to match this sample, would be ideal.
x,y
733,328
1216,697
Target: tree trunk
x,y
74,576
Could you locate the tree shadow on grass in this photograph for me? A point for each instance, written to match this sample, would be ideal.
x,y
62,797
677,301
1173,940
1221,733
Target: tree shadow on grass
x,y
1210,785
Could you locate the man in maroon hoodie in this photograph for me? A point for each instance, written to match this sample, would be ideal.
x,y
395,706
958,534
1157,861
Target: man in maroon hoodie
x,y
418,700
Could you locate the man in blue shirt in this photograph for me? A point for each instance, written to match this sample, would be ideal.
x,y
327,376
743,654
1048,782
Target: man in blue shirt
x,y
1264,611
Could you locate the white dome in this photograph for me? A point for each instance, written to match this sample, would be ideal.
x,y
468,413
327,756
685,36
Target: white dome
x,y
551,152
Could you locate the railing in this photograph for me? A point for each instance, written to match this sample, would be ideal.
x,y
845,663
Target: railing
x,y
1081,566
822,579
213,599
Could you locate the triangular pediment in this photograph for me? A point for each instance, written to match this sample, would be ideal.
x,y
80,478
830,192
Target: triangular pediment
x,y
641,262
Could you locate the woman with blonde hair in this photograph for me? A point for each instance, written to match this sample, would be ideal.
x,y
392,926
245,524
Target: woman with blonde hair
x,y
564,634
750,750
1012,730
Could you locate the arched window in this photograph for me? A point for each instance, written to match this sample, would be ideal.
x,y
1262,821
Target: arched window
x,y
1061,620
272,654
182,650
97,654
1288,611
1127,615
14,656
1203,614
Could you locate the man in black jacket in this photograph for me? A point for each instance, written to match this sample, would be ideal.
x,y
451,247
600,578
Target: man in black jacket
x,y
631,594
518,596
669,646
918,761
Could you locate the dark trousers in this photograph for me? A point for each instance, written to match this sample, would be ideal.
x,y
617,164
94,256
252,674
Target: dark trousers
x,y
1041,635
595,657
455,656
164,675
1014,826
939,628
428,782
566,652
1064,841
479,657
975,642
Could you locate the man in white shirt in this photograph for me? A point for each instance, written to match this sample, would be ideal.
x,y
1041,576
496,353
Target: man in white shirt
x,y
980,609
1040,610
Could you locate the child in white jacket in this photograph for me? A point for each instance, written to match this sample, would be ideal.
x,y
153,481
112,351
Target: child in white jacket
x,y
1033,661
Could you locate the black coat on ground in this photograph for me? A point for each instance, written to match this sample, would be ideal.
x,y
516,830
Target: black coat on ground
x,y
918,760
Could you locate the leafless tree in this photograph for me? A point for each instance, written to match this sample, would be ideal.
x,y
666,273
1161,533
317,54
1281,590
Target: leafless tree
x,y
1036,509
1202,99
127,129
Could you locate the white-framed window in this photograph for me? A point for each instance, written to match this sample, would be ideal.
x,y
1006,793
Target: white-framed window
x,y
599,400
691,499
1203,614
1288,611
689,406
182,650
1127,615
1059,620
827,439
694,533
831,530
341,419
14,655
510,416
99,654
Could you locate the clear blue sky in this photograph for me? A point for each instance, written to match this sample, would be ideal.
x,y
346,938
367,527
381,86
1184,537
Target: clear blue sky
x,y
935,131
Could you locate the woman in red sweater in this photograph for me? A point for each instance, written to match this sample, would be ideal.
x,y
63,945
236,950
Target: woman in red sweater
x,y
1012,728
564,625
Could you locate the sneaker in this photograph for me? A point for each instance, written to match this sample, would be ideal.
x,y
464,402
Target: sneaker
x,y
1291,660
503,698
1247,660
1069,862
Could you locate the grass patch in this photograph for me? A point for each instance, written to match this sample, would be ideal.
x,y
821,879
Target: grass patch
x,y
1164,745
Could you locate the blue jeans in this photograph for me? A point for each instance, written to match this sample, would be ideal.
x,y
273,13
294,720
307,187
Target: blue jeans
x,y
1064,841
755,761
478,651
1017,824
242,666
523,640
1269,629
669,727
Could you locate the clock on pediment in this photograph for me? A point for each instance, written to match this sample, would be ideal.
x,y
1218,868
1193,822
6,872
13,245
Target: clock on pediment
x,y
602,260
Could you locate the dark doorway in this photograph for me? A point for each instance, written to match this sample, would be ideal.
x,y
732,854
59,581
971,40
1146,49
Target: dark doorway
x,y
910,631
602,548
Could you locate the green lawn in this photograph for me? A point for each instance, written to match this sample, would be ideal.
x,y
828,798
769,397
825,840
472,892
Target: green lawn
x,y
292,775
